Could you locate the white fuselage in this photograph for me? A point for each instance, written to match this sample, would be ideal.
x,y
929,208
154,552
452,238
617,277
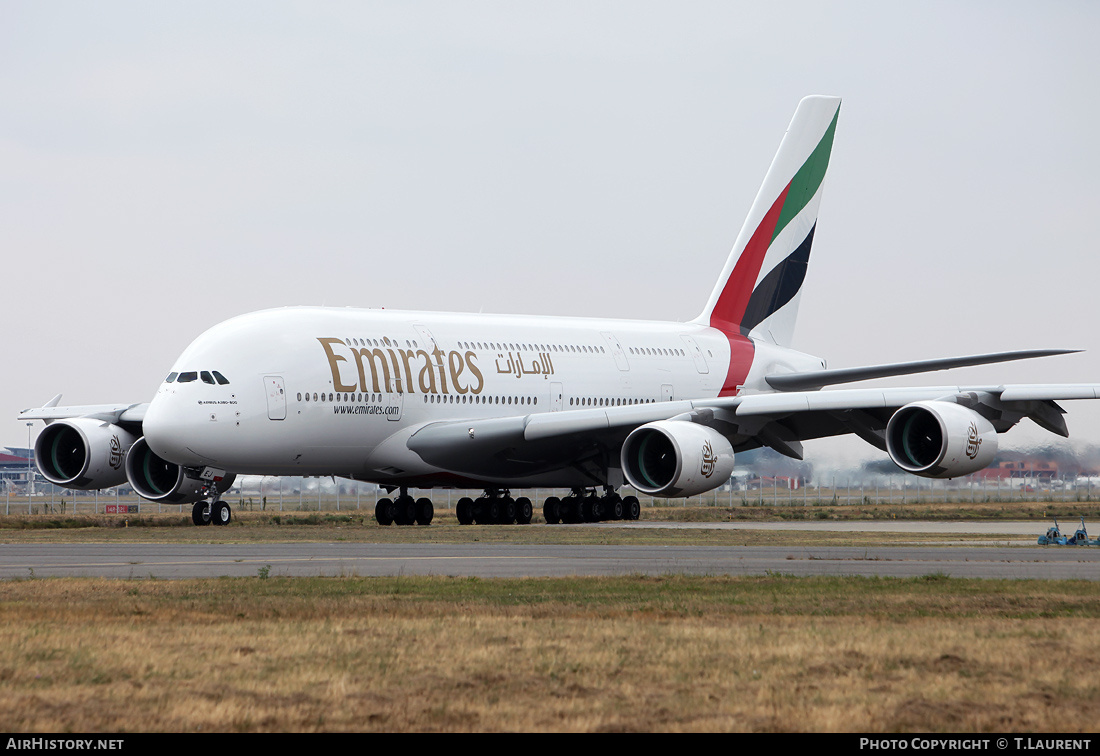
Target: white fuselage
x,y
325,391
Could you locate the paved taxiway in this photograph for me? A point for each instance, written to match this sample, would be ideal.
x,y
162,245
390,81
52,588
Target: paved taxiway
x,y
504,560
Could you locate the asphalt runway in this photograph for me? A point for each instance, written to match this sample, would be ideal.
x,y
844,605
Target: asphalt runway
x,y
1020,560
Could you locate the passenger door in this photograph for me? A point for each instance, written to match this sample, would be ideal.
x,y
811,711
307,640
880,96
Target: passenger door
x,y
276,397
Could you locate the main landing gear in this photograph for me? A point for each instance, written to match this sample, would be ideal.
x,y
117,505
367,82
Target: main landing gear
x,y
404,510
588,506
495,507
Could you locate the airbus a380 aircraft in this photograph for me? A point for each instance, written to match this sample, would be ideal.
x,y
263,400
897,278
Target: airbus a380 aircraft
x,y
501,403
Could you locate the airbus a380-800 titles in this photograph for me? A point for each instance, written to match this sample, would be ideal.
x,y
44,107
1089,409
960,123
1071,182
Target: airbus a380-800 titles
x,y
420,400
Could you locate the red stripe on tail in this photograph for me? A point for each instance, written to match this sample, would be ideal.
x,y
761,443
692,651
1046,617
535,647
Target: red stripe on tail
x,y
730,307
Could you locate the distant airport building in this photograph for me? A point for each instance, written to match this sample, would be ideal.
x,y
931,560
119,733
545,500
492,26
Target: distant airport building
x,y
15,462
1042,469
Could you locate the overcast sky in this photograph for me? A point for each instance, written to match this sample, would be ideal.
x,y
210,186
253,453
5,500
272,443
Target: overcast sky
x,y
165,166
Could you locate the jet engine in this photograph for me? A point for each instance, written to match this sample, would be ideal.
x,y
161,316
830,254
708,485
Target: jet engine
x,y
83,453
676,458
936,439
157,479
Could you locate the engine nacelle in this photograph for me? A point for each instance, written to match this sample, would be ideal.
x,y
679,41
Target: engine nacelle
x,y
157,479
676,458
83,453
940,439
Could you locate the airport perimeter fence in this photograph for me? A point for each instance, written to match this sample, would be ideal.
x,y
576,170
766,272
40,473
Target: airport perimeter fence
x,y
323,495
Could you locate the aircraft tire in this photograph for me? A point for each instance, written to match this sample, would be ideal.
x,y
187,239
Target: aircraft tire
x,y
464,511
524,510
576,509
632,508
599,512
424,511
551,510
507,511
406,510
384,512
221,514
491,508
199,515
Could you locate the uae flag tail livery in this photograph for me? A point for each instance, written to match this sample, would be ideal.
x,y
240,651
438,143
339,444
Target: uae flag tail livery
x,y
757,294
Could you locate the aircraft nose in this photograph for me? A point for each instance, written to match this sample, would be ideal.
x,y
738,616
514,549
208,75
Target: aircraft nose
x,y
164,428
183,427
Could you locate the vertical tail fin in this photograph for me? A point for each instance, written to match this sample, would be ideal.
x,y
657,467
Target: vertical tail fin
x,y
760,286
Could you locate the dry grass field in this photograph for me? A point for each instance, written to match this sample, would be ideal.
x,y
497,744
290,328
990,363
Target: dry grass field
x,y
621,654
669,654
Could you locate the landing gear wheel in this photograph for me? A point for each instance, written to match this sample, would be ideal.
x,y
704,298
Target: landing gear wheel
x,y
632,509
464,511
490,512
200,515
384,512
597,509
424,511
507,511
524,510
576,512
221,512
406,510
551,510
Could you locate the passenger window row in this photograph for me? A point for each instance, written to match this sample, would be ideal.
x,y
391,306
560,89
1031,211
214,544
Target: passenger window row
x,y
385,341
432,398
512,346
589,401
478,399
657,352
502,346
330,397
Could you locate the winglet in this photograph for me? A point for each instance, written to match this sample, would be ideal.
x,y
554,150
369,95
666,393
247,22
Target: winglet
x,y
28,414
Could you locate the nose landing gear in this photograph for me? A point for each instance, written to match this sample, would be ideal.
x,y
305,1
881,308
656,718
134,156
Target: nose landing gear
x,y
211,512
211,509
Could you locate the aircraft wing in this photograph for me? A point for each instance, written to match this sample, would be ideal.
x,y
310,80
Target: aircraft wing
x,y
526,445
121,414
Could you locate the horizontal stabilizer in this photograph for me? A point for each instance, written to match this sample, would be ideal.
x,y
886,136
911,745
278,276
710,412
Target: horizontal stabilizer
x,y
815,379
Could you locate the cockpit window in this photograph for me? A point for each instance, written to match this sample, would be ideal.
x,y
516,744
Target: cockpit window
x,y
188,377
222,380
171,377
206,377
